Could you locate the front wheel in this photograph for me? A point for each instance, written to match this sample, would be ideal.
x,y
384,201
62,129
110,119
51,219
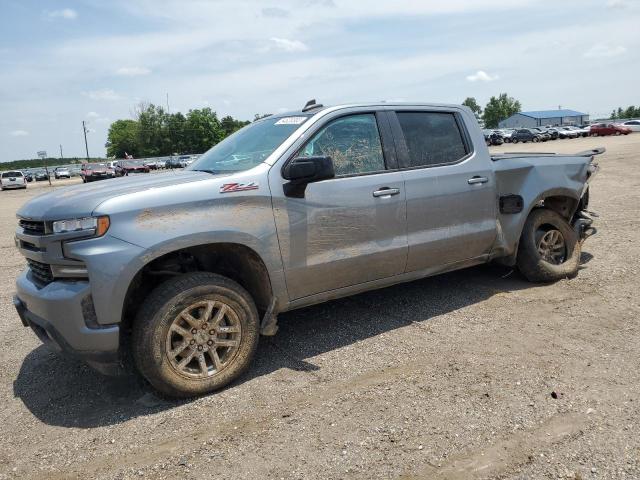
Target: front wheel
x,y
514,140
195,334
549,249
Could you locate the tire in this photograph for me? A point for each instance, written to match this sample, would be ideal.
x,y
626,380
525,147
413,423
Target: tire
x,y
617,133
594,134
514,140
531,263
153,337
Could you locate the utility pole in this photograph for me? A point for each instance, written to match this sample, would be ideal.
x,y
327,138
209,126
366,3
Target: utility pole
x,y
61,156
168,102
86,146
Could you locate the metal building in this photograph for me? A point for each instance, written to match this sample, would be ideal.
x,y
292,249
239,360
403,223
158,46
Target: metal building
x,y
545,117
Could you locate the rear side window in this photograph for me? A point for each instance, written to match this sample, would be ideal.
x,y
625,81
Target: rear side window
x,y
11,174
433,138
352,142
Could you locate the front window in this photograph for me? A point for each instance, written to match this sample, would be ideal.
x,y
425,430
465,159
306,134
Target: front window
x,y
352,142
249,146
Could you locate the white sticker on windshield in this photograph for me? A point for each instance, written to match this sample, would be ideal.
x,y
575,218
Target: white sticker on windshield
x,y
291,121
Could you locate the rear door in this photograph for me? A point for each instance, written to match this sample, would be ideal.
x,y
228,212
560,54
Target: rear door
x,y
350,229
450,189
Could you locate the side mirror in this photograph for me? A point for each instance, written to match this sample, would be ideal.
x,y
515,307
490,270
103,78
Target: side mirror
x,y
308,169
304,170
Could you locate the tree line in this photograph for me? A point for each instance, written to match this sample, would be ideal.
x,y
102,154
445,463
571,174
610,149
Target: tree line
x,y
497,109
153,132
629,112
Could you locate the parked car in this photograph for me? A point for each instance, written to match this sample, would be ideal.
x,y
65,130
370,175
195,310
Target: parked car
x,y
566,132
61,172
154,164
28,176
12,179
542,134
496,138
581,132
601,129
182,273
552,132
506,134
176,162
633,125
525,135
125,167
41,175
91,172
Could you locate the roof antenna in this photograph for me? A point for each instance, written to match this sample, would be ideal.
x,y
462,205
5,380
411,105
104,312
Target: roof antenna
x,y
310,105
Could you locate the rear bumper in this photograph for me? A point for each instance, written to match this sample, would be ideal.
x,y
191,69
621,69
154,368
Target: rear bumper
x,y
61,314
14,185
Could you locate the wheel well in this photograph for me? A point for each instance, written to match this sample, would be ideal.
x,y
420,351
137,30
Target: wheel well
x,y
562,204
235,261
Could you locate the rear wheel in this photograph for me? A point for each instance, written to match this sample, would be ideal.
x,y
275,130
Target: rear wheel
x,y
514,140
617,133
195,334
549,249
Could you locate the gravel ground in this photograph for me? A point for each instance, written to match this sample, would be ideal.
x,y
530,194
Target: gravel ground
x,y
470,375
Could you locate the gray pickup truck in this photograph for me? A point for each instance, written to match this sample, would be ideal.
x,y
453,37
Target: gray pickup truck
x,y
178,274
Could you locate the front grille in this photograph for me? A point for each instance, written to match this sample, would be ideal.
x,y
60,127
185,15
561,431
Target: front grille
x,y
32,227
41,271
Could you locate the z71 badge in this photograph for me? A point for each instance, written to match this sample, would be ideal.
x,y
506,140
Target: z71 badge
x,y
238,187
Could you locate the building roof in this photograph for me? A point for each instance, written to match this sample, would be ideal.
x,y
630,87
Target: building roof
x,y
553,113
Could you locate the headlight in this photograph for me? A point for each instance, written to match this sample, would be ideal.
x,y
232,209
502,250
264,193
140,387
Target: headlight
x,y
98,224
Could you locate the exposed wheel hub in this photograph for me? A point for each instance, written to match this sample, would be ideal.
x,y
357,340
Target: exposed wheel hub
x,y
203,339
551,246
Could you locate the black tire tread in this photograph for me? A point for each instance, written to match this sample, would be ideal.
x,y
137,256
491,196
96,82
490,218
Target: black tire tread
x,y
144,329
529,262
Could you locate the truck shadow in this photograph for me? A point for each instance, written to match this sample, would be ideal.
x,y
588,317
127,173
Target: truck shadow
x,y
64,392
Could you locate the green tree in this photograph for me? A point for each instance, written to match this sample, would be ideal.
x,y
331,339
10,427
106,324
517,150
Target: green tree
x,y
473,105
230,125
613,115
202,130
631,112
122,137
500,108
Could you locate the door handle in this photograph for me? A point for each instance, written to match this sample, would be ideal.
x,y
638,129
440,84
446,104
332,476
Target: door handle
x,y
386,192
474,180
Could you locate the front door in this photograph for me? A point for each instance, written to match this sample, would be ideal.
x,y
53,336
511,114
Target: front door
x,y
347,230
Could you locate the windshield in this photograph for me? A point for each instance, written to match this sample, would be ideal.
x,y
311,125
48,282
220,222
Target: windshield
x,y
94,165
249,146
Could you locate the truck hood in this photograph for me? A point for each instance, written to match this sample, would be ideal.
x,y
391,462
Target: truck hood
x,y
82,200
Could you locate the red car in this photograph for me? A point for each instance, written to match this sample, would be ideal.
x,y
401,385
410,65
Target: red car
x,y
600,129
95,171
125,167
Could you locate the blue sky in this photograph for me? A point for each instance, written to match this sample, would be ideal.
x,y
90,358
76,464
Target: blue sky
x,y
62,62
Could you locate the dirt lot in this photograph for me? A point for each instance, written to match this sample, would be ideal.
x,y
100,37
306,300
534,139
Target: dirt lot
x,y
447,378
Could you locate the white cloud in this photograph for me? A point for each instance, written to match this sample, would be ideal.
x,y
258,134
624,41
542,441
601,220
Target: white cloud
x,y
93,115
66,13
103,94
133,71
482,76
289,45
19,133
617,4
604,50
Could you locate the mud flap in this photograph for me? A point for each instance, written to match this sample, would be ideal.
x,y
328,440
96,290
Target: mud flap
x,y
269,324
